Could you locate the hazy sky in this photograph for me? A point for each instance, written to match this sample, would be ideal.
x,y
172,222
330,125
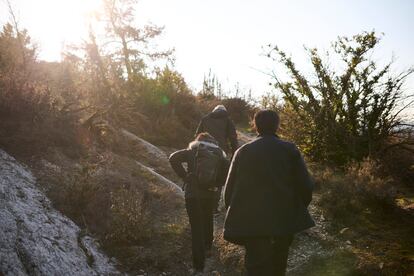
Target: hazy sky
x,y
227,35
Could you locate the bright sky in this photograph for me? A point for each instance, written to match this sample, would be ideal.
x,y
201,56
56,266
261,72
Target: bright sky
x,y
227,35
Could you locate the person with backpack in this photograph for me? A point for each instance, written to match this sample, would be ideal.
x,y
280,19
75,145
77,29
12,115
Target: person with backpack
x,y
267,193
206,171
219,125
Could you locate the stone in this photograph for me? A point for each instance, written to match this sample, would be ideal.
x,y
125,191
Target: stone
x,y
36,239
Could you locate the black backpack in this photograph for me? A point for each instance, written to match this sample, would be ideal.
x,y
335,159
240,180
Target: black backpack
x,y
207,165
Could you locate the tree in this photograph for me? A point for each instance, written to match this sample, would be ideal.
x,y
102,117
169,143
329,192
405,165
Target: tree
x,y
17,55
128,43
211,87
115,58
17,59
347,114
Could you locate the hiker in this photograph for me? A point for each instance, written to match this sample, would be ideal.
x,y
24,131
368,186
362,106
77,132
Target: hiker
x,y
218,124
267,192
206,171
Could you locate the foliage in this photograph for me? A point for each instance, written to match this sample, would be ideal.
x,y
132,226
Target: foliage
x,y
270,101
127,43
166,106
31,117
111,205
239,109
362,185
212,88
398,157
77,196
17,59
347,114
130,216
360,205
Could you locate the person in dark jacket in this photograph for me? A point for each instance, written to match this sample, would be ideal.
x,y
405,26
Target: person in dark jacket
x,y
199,201
218,124
267,192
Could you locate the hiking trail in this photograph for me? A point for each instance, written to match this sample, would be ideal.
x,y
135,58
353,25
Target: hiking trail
x,y
49,243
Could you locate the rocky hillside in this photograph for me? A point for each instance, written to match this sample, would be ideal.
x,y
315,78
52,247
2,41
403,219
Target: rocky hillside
x,y
36,239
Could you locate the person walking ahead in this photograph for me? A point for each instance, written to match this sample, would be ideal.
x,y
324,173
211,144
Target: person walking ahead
x,y
267,193
206,171
218,124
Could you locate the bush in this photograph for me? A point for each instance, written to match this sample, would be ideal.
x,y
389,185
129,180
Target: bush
x,y
30,118
240,111
361,186
345,114
82,196
161,110
130,218
398,158
112,206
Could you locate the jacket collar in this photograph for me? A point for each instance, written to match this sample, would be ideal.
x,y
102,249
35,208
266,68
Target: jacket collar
x,y
196,144
268,135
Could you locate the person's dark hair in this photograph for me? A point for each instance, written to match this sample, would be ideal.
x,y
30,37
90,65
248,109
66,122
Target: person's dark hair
x,y
206,137
266,122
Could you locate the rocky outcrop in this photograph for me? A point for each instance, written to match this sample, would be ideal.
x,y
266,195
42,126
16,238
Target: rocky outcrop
x,y
147,154
35,239
173,187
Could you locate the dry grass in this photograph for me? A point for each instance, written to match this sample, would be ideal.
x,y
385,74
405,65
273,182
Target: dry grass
x,y
139,220
362,201
344,193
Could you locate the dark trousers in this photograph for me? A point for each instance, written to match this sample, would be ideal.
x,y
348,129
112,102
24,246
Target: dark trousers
x,y
267,256
200,214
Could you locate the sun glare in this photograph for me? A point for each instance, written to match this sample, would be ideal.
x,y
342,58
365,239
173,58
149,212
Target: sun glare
x,y
60,22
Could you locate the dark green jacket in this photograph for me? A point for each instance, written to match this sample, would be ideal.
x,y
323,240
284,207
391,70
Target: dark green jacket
x,y
221,127
267,192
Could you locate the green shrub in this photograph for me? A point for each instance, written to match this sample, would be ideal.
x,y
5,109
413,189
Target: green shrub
x,y
346,114
361,186
161,110
239,109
